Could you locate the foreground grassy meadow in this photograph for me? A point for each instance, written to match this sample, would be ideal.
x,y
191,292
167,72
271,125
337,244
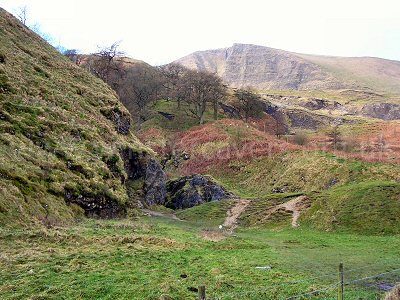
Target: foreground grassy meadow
x,y
162,258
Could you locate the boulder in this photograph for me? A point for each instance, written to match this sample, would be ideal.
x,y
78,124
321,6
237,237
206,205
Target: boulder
x,y
317,104
189,191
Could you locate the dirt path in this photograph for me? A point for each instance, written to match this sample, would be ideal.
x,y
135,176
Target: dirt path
x,y
234,213
296,205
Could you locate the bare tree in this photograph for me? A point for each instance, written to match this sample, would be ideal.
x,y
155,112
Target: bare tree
x,y
74,56
201,88
22,14
248,104
106,63
172,83
279,127
140,86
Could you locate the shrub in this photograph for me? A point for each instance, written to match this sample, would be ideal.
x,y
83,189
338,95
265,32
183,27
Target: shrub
x,y
300,138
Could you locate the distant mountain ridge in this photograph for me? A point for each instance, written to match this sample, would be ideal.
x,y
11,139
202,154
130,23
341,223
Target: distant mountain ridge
x,y
266,68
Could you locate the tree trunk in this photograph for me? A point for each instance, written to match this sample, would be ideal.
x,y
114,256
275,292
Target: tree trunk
x,y
215,104
201,118
202,110
138,122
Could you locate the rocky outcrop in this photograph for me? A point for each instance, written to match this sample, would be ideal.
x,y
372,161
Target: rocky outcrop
x,y
229,110
121,120
146,172
193,190
154,186
302,119
145,184
384,111
166,115
95,205
317,104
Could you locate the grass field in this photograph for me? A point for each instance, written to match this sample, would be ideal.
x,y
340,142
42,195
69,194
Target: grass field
x,y
160,258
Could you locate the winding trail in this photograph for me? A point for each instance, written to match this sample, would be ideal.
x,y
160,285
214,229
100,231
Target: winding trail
x,y
234,213
296,206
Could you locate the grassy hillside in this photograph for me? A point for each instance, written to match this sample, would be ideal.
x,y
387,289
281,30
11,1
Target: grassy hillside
x,y
365,207
369,72
61,130
299,172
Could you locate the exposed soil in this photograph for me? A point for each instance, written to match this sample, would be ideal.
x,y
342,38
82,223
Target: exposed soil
x,y
234,213
296,206
212,235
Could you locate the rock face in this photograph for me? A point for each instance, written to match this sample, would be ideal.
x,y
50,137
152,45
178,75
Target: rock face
x,y
154,183
96,206
193,190
301,119
267,68
145,171
230,110
317,104
384,111
121,120
262,67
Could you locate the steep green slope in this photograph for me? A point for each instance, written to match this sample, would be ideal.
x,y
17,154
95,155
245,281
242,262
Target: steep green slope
x,y
300,171
368,207
61,134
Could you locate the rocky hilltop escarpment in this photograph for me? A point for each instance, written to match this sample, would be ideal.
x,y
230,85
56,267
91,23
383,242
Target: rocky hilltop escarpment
x,y
262,67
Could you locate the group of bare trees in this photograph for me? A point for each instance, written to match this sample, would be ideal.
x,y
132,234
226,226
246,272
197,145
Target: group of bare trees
x,y
196,89
248,103
139,85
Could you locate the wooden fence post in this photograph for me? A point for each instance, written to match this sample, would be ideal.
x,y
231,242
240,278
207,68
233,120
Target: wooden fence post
x,y
341,283
202,292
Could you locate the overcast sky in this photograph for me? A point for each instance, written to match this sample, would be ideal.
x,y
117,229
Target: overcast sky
x,y
160,31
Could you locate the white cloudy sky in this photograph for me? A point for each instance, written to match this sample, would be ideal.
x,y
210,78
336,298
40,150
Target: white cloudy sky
x,y
160,31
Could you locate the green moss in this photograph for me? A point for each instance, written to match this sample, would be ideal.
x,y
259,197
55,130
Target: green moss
x,y
41,72
5,87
